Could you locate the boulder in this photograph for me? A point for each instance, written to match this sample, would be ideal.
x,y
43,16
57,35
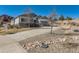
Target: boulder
x,y
43,45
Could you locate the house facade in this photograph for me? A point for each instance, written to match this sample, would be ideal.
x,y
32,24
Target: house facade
x,y
26,21
30,20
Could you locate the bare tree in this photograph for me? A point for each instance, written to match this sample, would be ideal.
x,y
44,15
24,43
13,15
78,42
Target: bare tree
x,y
52,19
28,12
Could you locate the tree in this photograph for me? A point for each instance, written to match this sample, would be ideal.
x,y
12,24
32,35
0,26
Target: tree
x,y
33,14
61,17
68,18
52,19
44,17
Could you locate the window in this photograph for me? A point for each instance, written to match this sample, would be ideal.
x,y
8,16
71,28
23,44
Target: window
x,y
35,21
22,20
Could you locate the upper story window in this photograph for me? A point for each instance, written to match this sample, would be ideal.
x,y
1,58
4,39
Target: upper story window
x,y
23,19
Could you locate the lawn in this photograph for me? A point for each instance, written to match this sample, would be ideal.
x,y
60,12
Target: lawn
x,y
12,31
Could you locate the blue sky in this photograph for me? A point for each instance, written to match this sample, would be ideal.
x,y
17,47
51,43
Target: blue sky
x,y
66,10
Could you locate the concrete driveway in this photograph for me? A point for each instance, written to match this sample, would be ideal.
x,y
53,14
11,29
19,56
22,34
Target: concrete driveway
x,y
9,43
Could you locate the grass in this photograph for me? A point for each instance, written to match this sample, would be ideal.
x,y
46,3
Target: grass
x,y
12,31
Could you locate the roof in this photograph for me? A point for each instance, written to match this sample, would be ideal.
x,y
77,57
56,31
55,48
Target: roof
x,y
28,15
6,18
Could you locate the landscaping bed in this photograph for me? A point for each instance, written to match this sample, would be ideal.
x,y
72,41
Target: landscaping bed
x,y
55,43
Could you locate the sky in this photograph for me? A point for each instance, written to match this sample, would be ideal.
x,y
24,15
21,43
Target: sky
x,y
44,10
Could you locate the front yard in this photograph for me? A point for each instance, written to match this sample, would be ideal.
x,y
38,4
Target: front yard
x,y
55,43
12,31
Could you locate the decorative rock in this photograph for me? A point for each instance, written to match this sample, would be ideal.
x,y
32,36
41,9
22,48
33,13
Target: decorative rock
x,y
43,45
28,48
24,45
64,39
51,42
33,46
29,44
48,42
75,38
37,42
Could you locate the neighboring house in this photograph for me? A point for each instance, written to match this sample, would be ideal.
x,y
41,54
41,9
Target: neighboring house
x,y
43,22
5,19
26,20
